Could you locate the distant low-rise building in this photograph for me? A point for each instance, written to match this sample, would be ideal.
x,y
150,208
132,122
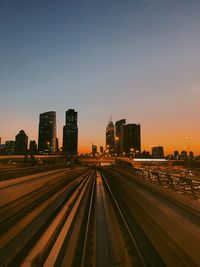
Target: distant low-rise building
x,y
94,150
157,152
9,148
183,154
32,147
176,155
101,150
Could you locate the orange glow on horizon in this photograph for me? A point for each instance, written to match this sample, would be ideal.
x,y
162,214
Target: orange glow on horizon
x,y
150,136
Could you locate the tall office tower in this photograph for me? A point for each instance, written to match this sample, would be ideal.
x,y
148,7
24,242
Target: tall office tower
x,y
118,141
157,152
70,133
32,147
110,138
21,143
131,139
47,133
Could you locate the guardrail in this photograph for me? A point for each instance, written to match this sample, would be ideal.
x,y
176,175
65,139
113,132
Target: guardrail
x,y
186,184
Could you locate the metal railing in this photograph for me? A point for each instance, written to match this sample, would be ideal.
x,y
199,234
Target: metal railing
x,y
186,183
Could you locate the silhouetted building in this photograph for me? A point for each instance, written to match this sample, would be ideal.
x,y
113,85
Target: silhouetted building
x,y
101,150
32,147
94,150
145,154
118,140
70,133
183,155
176,155
131,140
57,145
157,152
191,155
1,150
9,148
110,138
21,143
47,133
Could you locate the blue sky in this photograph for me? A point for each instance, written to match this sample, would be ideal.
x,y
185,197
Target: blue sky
x,y
130,59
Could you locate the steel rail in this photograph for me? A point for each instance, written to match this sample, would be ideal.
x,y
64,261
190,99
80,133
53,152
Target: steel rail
x,y
36,223
143,262
88,223
26,203
53,257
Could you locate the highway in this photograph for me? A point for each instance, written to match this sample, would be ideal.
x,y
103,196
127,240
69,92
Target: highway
x,y
103,216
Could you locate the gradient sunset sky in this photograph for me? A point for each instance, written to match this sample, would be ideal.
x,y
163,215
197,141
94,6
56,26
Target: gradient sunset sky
x,y
132,59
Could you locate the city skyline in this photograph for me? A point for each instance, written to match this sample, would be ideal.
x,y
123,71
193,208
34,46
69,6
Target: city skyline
x,y
137,60
186,148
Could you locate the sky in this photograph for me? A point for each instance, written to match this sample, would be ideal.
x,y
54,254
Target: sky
x,y
132,59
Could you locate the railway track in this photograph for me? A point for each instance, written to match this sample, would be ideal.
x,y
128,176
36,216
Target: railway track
x,y
78,224
13,211
97,218
21,236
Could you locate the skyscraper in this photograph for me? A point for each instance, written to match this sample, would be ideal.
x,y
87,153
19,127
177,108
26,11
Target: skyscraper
x,y
110,138
118,140
47,133
131,140
70,133
21,143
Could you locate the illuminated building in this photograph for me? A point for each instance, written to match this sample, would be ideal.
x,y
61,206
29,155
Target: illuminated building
x,y
47,133
131,140
157,152
70,133
118,141
21,143
110,138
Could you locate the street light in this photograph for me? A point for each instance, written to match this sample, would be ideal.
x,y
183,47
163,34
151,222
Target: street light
x,y
188,139
132,150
